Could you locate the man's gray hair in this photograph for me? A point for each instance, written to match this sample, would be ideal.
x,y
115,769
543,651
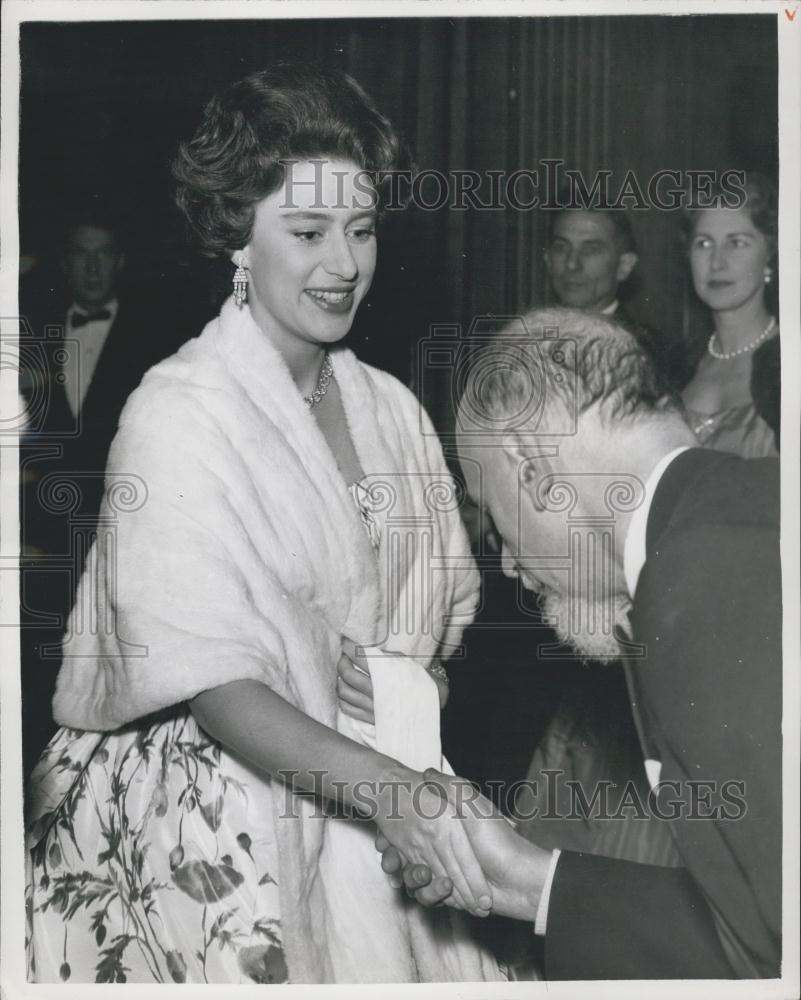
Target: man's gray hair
x,y
556,363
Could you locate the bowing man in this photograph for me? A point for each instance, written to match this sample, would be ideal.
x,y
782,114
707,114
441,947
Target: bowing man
x,y
636,539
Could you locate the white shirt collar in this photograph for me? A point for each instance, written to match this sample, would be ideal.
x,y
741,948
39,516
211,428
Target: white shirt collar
x,y
611,309
634,547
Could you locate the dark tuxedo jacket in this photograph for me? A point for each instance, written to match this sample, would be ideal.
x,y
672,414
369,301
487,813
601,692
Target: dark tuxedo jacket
x,y
707,700
667,352
145,330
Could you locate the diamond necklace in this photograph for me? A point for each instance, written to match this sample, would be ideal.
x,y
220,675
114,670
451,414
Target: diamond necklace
x,y
323,380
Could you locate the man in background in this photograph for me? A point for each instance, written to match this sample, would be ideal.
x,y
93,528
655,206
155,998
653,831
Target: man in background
x,y
591,257
95,336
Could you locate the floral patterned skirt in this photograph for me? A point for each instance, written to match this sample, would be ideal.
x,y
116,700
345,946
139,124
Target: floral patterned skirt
x,y
152,858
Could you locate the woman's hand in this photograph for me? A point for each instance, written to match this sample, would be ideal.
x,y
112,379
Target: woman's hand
x,y
424,826
437,674
355,690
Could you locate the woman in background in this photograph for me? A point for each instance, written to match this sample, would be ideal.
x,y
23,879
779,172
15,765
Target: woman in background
x,y
199,684
732,400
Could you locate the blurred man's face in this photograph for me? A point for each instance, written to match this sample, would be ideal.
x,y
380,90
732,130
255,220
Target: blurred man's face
x,y
92,263
585,261
537,546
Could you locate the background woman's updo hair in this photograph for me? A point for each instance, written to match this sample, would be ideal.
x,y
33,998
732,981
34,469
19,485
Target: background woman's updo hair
x,y
761,203
286,112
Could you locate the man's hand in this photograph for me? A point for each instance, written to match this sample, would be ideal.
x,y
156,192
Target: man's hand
x,y
426,828
418,879
515,868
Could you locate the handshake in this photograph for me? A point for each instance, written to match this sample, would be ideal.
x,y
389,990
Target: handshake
x,y
455,848
437,836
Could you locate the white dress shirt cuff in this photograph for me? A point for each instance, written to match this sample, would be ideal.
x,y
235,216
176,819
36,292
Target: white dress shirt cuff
x,y
541,923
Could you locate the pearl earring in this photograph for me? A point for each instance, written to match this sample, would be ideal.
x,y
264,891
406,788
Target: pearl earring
x,y
768,277
240,282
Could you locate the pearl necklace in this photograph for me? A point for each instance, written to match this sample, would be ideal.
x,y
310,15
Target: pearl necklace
x,y
728,355
323,380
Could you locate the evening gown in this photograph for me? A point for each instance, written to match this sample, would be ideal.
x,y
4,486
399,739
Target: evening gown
x,y
152,855
751,428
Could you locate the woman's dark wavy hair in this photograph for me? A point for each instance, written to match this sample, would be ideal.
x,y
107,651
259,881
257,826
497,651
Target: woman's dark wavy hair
x,y
286,112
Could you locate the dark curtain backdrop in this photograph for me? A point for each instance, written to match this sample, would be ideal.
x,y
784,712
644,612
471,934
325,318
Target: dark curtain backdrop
x,y
104,104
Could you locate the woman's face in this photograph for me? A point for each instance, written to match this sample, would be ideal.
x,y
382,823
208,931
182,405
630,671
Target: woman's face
x,y
312,253
728,258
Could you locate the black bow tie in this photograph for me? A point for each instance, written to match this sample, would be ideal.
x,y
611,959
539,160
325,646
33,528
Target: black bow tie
x,y
81,319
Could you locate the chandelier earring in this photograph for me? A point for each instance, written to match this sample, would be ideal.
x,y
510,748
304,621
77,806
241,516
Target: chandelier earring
x,y
240,281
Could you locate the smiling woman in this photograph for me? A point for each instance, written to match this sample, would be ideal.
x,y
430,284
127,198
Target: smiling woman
x,y
310,266
268,452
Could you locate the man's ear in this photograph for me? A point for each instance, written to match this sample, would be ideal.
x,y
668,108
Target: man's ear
x,y
626,264
524,447
518,457
546,256
512,445
530,461
120,262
